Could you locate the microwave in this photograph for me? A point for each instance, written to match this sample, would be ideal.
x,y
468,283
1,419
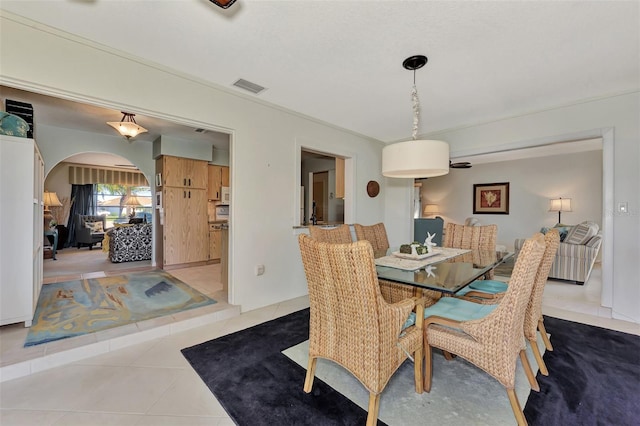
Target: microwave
x,y
225,195
222,212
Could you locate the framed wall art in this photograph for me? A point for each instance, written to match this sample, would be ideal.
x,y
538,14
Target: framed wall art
x,y
491,198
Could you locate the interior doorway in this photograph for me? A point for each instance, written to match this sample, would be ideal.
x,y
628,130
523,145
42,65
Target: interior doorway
x,y
321,189
109,198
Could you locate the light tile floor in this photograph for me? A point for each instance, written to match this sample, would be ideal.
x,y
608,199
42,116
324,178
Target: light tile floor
x,y
150,383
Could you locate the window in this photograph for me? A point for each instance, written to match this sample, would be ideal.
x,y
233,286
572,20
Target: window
x,y
120,202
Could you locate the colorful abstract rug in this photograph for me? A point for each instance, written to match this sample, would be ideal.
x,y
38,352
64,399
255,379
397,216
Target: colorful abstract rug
x,y
74,308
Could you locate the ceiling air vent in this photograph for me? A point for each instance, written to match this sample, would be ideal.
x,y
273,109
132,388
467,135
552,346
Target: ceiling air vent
x,y
249,86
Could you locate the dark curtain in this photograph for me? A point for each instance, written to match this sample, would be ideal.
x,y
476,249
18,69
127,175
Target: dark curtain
x,y
83,202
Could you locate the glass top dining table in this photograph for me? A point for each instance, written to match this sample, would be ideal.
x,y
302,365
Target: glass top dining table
x,y
447,276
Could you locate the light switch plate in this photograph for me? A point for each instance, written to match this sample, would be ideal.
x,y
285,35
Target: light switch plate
x,y
623,207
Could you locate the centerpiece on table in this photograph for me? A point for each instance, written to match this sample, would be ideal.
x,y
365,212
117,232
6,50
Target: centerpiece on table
x,y
416,250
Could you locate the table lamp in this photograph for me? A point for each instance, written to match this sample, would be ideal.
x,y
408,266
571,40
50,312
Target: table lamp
x,y
49,199
430,210
560,205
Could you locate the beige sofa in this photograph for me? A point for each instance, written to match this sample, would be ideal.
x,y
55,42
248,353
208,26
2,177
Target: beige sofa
x,y
576,254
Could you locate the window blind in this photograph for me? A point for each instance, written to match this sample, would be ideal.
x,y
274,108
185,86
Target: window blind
x,y
84,175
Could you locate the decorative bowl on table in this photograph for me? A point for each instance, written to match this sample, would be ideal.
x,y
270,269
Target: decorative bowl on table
x,y
415,251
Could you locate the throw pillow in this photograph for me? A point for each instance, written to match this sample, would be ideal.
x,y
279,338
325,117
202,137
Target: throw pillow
x,y
94,226
564,231
581,233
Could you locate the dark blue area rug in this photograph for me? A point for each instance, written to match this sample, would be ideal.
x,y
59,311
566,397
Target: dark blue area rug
x,y
594,378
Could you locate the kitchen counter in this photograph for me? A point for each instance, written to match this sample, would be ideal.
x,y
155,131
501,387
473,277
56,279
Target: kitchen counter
x,y
320,224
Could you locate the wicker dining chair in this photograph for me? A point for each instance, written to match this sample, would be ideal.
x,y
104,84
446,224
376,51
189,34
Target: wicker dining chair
x,y
488,336
375,234
471,237
489,291
338,235
351,324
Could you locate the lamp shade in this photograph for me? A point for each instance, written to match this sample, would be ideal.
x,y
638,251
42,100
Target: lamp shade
x,y
50,199
430,210
560,205
415,159
134,201
127,127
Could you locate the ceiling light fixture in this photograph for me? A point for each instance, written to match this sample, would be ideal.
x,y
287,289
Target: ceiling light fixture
x,y
415,158
223,3
127,127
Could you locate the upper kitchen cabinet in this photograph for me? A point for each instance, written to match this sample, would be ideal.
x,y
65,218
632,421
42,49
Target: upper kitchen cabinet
x,y
184,172
218,177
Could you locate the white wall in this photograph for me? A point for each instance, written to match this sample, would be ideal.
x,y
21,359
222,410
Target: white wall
x,y
616,120
532,182
265,144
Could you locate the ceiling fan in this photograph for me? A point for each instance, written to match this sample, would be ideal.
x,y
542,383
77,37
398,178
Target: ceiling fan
x,y
460,165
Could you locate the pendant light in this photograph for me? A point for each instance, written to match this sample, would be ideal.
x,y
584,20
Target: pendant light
x,y
127,127
415,158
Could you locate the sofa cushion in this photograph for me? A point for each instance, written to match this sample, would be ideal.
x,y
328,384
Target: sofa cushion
x,y
582,233
563,230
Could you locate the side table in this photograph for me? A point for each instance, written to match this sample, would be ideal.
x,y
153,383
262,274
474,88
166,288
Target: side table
x,y
52,233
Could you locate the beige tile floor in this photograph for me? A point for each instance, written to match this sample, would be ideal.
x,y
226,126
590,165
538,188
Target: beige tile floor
x,y
143,379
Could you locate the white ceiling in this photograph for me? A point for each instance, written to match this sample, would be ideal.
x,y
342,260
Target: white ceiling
x,y
341,61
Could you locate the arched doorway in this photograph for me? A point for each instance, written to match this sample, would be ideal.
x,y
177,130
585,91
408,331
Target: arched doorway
x,y
100,184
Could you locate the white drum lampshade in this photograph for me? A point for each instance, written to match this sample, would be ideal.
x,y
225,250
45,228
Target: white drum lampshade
x,y
415,159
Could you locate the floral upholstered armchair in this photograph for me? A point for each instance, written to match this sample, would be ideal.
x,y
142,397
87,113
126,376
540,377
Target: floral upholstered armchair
x,y
130,243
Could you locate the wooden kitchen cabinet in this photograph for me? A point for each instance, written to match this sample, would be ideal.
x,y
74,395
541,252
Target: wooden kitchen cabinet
x,y
215,241
183,231
218,177
184,172
224,171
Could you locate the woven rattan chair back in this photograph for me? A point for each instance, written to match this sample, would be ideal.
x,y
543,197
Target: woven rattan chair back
x,y
339,235
471,237
533,319
494,342
350,322
375,234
